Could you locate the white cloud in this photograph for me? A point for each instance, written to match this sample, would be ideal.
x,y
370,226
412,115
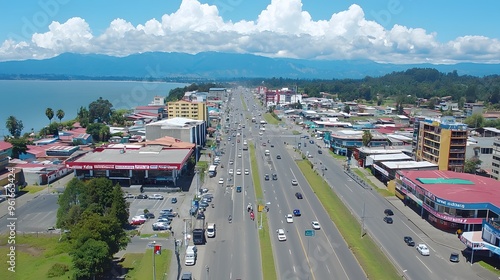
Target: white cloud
x,y
283,29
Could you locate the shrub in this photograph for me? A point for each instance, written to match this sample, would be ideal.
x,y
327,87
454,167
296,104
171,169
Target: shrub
x,y
58,269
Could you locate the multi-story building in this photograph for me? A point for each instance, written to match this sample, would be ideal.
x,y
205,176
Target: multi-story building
x,y
188,109
495,163
442,141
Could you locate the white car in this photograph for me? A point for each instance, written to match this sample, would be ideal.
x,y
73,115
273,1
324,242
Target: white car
x,y
231,162
422,249
156,196
231,171
239,155
294,182
247,172
221,181
289,218
281,234
238,171
315,225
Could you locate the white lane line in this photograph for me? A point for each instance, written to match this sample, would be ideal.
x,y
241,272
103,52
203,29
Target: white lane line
x,y
424,264
290,251
348,187
294,270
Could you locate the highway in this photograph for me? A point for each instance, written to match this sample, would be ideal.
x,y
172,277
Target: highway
x,y
323,256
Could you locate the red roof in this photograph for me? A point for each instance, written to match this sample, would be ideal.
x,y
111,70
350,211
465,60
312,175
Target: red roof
x,y
483,189
5,145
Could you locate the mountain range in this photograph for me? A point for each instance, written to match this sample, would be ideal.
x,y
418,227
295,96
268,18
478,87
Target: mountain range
x,y
215,66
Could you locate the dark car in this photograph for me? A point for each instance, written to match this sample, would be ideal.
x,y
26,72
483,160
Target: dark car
x,y
174,199
311,142
388,219
187,276
266,177
298,195
149,215
320,151
454,257
296,212
409,241
238,189
142,196
388,212
201,215
278,157
275,176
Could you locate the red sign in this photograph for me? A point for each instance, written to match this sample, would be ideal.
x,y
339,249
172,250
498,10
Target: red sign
x,y
157,249
127,166
452,219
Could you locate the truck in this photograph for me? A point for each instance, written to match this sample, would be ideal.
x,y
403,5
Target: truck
x,y
199,232
212,170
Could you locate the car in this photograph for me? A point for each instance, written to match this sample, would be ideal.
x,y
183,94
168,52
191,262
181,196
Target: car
x,y
165,211
136,222
247,172
388,219
409,241
454,257
231,171
238,171
294,182
264,144
272,146
200,215
238,189
204,204
298,195
164,220
289,218
142,196
204,190
266,177
239,155
423,250
315,225
231,162
388,212
161,226
221,181
149,215
229,139
309,156
128,195
281,234
311,142
156,196
320,151
275,176
187,276
207,199
278,157
174,200
296,212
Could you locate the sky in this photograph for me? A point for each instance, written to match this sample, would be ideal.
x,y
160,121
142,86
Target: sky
x,y
387,31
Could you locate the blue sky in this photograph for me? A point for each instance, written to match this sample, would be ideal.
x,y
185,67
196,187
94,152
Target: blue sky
x,y
398,31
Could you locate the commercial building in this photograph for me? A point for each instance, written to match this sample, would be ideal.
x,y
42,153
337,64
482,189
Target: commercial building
x,y
188,109
341,141
442,141
5,152
495,163
184,129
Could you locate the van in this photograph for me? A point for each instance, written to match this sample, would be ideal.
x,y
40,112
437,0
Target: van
x,y
266,152
190,258
211,230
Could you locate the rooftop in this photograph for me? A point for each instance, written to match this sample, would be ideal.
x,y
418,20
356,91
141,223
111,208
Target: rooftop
x,y
411,164
457,187
137,156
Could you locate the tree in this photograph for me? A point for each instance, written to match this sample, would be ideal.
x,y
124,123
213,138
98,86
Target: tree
x,y
98,131
19,146
50,114
476,120
100,110
471,165
83,116
69,211
367,137
347,109
91,259
14,126
60,115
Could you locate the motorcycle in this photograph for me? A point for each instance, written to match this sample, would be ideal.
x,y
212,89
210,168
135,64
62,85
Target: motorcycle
x,y
230,219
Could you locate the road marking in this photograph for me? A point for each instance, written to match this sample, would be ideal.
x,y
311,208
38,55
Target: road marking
x,y
348,187
295,271
424,264
290,251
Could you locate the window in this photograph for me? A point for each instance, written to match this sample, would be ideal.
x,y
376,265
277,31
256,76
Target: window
x,y
486,151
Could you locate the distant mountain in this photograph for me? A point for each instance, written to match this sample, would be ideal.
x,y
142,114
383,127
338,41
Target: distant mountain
x,y
215,66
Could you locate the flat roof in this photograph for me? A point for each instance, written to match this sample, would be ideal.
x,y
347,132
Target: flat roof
x,y
145,155
407,164
391,157
479,190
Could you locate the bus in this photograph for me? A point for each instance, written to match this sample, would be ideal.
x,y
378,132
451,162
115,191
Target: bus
x,y
212,171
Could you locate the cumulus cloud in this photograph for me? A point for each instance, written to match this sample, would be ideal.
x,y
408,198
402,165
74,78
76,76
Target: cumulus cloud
x,y
282,29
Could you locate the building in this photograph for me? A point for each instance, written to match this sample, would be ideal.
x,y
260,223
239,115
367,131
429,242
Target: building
x,y
151,164
341,141
158,101
442,141
186,130
188,109
156,112
495,163
216,94
5,153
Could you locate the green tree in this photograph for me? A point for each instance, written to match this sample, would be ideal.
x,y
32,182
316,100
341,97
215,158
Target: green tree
x,y
476,120
19,146
83,116
100,110
60,115
69,211
367,137
347,109
50,114
471,165
14,126
119,206
98,131
91,259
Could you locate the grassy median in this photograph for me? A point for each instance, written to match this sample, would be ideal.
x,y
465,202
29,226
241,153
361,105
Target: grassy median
x,y
266,249
373,261
140,265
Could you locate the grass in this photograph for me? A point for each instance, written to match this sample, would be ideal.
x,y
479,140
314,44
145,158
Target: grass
x,y
244,104
364,178
266,249
270,119
140,265
159,234
295,132
335,156
35,255
33,189
374,262
489,267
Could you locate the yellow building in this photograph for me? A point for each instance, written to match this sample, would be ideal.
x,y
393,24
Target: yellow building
x,y
443,142
188,109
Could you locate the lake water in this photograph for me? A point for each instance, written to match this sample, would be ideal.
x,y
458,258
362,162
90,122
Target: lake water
x,y
27,100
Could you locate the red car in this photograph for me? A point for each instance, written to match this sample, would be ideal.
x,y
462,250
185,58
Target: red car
x,y
136,222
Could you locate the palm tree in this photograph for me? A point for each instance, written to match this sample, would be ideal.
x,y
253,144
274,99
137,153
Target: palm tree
x,y
367,137
60,115
49,113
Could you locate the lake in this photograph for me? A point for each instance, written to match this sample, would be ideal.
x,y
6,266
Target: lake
x,y
27,100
